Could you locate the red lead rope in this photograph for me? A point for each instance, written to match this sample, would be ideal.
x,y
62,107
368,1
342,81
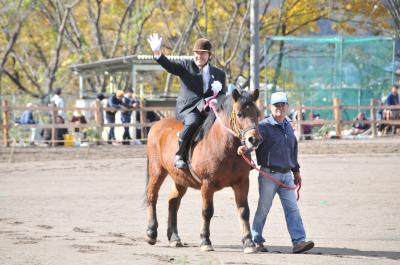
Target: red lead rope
x,y
265,174
252,164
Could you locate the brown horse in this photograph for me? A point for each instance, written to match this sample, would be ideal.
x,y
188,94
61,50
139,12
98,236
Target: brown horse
x,y
214,160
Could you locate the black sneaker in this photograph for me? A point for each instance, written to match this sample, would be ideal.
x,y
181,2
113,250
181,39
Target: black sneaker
x,y
303,246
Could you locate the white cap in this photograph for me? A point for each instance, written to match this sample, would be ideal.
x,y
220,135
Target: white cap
x,y
279,97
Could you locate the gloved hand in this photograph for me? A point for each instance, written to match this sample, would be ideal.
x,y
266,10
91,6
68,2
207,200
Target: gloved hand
x,y
216,86
214,102
297,178
208,102
155,42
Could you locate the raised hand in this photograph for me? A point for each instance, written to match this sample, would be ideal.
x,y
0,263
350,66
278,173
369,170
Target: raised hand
x,y
155,42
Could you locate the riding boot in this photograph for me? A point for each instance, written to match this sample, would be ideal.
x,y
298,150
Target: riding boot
x,y
180,156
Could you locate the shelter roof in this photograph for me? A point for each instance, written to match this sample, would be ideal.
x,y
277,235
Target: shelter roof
x,y
123,64
331,39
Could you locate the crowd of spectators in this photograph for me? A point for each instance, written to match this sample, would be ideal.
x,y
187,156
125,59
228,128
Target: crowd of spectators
x,y
122,103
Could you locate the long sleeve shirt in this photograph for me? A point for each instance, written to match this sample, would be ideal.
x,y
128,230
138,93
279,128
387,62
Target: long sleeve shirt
x,y
279,148
114,102
59,102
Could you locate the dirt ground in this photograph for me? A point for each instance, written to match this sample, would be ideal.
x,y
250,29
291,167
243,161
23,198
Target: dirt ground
x,y
84,206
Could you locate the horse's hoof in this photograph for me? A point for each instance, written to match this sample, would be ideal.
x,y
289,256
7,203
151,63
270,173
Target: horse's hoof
x,y
249,250
151,241
206,248
176,244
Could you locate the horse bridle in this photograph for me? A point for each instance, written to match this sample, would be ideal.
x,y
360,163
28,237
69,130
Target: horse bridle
x,y
239,133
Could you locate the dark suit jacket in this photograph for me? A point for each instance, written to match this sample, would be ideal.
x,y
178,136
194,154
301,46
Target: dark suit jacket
x,y
191,93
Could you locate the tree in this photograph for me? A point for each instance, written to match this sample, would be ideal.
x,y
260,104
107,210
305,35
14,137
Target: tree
x,y
394,8
20,12
43,38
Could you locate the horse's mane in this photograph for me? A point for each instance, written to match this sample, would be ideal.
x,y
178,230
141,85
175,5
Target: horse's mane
x,y
225,103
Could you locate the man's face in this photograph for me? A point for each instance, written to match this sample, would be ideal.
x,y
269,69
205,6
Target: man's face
x,y
394,91
279,110
201,58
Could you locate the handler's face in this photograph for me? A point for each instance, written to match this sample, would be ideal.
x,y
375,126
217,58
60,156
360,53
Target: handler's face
x,y
201,58
279,110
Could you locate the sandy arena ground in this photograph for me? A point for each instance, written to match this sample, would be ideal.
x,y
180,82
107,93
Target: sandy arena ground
x,y
56,207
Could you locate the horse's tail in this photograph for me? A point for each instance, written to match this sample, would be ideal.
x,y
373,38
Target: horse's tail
x,y
146,182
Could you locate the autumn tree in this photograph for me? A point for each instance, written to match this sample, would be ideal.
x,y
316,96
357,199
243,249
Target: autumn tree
x,y
41,39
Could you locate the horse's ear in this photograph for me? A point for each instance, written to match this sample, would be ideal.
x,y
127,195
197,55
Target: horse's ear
x,y
235,95
255,94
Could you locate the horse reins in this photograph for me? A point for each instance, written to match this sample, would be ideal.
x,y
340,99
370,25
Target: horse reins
x,y
239,133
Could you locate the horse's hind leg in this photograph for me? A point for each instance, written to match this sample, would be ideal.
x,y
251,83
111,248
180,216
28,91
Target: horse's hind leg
x,y
241,191
207,212
155,178
174,202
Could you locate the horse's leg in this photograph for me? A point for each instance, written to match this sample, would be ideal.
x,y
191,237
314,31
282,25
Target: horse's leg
x,y
156,177
241,191
207,194
174,202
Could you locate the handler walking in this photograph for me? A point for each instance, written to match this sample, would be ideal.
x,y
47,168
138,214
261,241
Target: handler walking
x,y
199,80
277,155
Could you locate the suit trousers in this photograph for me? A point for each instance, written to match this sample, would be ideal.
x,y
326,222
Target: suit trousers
x,y
191,122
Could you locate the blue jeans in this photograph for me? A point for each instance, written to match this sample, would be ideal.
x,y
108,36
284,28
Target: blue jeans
x,y
267,190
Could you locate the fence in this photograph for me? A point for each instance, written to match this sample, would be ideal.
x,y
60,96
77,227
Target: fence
x,y
336,109
97,124
338,123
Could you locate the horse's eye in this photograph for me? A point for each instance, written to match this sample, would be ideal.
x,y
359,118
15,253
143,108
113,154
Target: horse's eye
x,y
239,114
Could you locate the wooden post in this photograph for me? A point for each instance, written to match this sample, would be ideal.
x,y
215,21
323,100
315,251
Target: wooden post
x,y
142,119
99,119
6,123
299,119
373,117
336,113
98,113
53,122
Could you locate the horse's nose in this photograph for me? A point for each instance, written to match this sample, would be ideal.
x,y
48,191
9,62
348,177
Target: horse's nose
x,y
254,140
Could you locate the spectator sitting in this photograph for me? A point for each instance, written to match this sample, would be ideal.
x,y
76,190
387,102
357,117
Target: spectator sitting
x,y
27,118
306,128
79,118
60,132
27,115
392,99
359,128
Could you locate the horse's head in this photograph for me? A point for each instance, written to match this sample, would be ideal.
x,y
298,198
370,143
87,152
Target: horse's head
x,y
244,117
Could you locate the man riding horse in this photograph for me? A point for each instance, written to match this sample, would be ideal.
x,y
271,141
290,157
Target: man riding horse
x,y
199,81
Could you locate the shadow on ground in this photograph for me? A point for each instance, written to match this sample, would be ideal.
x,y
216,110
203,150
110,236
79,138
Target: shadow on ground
x,y
338,252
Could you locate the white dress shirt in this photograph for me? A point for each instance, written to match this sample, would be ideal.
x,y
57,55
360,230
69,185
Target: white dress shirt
x,y
59,102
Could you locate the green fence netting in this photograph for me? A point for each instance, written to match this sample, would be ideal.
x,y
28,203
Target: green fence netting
x,y
314,70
